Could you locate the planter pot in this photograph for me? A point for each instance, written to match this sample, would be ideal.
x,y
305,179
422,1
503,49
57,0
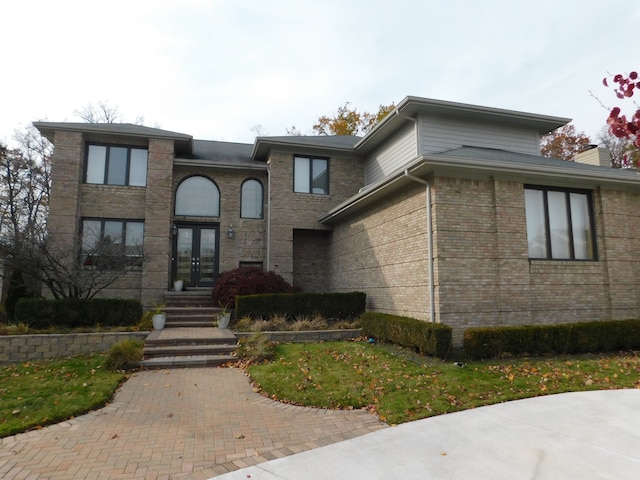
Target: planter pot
x,y
159,320
177,285
223,320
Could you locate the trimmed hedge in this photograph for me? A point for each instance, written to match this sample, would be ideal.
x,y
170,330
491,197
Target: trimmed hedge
x,y
570,338
329,305
78,312
427,338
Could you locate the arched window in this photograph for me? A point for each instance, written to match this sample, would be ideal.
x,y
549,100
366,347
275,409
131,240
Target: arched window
x,y
198,197
251,199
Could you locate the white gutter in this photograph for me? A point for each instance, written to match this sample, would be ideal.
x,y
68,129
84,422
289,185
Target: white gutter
x,y
432,301
268,216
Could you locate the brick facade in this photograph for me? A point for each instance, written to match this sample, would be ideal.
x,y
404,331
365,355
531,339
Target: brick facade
x,y
382,251
482,273
249,242
300,211
374,238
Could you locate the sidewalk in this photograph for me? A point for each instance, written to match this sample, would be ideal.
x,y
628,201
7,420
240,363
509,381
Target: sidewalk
x,y
169,424
584,435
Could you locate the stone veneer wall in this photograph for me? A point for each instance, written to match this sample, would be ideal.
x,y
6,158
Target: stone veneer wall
x,y
22,348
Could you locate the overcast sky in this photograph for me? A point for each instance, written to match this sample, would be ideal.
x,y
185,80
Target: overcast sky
x,y
215,69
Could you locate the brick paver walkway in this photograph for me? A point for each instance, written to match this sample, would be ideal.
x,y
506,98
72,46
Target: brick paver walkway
x,y
191,424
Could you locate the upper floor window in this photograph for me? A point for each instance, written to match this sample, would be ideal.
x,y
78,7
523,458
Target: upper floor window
x,y
560,223
311,175
111,243
198,197
251,199
114,165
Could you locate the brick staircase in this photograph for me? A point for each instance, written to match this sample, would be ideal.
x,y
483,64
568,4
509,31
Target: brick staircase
x,y
190,337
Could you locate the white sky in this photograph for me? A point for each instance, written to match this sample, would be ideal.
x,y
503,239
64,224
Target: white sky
x,y
216,68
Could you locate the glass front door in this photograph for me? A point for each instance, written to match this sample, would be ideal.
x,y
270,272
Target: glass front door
x,y
195,258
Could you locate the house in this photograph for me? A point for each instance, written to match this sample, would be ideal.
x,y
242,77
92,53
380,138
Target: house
x,y
445,212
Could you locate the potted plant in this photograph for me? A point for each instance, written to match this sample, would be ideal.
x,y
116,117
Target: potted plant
x,y
159,317
178,284
224,316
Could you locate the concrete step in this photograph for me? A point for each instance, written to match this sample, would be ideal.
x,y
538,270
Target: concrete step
x,y
189,350
190,310
193,361
188,298
175,341
189,322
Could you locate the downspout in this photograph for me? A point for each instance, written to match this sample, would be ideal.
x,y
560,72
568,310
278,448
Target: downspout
x,y
268,215
432,302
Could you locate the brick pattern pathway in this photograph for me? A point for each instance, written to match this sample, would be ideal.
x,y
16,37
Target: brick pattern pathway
x,y
168,424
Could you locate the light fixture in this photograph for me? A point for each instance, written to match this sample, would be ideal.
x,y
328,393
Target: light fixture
x,y
174,229
230,232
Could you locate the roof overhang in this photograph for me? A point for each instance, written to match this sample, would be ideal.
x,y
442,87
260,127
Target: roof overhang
x,y
238,166
410,108
182,142
318,144
527,169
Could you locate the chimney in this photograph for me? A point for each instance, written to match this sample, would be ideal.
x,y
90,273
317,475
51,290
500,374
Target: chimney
x,y
594,155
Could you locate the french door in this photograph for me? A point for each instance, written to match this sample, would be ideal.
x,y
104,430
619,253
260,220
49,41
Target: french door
x,y
195,254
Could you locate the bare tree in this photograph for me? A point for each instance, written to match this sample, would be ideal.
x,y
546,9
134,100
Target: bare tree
x,y
68,274
100,112
103,112
83,270
623,153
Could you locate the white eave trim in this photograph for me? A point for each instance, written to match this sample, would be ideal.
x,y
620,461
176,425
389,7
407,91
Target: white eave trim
x,y
427,165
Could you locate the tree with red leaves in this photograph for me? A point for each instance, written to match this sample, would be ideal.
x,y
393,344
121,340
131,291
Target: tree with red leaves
x,y
619,125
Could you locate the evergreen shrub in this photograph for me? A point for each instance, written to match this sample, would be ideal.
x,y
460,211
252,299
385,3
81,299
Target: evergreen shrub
x,y
328,305
78,312
425,337
568,338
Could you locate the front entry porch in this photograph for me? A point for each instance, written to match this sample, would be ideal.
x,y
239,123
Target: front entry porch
x,y
191,337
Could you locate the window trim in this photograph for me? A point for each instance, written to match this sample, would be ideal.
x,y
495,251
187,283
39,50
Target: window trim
x,y
134,261
105,173
310,159
216,214
261,214
592,223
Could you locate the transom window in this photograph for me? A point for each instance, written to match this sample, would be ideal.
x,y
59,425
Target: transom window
x,y
115,165
198,197
560,223
251,199
112,243
311,175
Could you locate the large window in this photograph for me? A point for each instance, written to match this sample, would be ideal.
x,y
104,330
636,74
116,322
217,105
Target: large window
x,y
311,175
113,165
559,223
251,199
198,197
111,243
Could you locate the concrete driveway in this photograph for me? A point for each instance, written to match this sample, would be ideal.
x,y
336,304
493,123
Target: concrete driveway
x,y
585,435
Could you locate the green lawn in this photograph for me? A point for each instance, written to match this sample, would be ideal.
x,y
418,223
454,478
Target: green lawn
x,y
401,386
35,394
